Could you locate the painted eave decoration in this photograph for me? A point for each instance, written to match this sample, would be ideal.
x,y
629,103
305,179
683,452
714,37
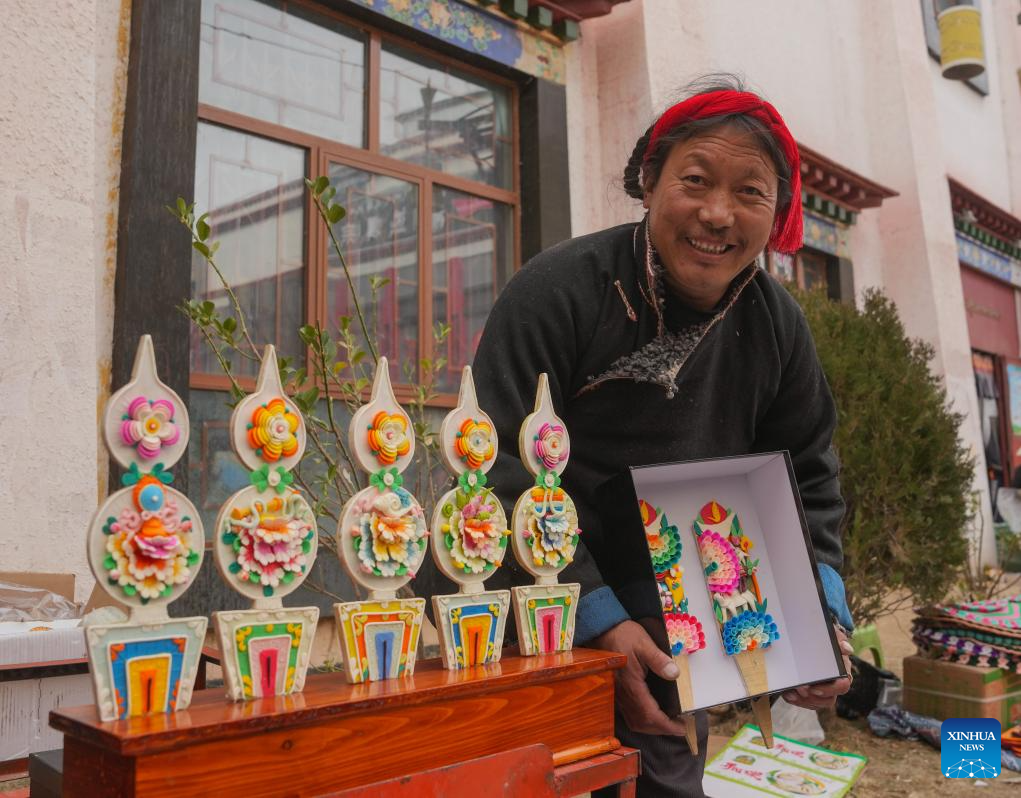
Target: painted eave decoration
x,y
526,35
834,190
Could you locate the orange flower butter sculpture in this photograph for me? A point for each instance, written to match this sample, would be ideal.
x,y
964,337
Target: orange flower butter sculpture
x,y
381,540
470,537
388,437
272,431
265,542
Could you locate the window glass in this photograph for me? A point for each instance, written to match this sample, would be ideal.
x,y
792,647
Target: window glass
x,y
813,269
444,120
284,65
379,240
253,190
472,259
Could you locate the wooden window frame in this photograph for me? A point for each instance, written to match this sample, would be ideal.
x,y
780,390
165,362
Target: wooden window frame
x,y
321,152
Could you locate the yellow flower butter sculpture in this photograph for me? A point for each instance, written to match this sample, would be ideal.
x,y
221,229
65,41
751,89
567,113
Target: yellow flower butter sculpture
x,y
470,537
381,540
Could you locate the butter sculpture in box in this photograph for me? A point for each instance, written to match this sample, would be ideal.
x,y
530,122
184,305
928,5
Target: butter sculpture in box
x,y
684,630
545,533
145,547
265,543
469,538
745,626
381,540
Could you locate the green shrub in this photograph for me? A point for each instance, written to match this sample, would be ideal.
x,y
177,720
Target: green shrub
x,y
905,476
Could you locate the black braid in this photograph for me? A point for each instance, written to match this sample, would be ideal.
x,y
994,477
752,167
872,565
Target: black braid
x,y
633,171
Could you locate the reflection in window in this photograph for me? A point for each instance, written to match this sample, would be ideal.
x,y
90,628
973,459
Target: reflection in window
x,y
472,256
277,62
813,269
253,190
214,471
379,239
443,120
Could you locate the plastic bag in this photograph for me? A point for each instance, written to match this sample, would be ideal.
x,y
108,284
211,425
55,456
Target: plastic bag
x,y
23,603
797,723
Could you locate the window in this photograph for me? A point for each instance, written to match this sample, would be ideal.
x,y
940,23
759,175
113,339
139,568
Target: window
x,y
808,269
423,156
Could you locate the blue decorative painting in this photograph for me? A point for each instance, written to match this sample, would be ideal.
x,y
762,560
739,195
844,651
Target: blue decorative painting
x,y
477,31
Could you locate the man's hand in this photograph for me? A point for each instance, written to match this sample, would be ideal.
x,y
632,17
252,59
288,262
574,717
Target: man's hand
x,y
824,696
634,701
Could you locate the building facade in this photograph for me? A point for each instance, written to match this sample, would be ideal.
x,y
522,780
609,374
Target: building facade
x,y
462,137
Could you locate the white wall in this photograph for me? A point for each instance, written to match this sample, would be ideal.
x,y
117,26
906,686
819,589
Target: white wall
x,y
972,127
58,200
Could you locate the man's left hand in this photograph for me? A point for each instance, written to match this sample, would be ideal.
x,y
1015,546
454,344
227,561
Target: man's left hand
x,y
824,696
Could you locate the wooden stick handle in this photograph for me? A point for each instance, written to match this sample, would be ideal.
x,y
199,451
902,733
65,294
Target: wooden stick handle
x,y
686,700
764,718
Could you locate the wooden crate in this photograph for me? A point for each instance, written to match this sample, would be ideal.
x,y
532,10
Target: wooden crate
x,y
942,690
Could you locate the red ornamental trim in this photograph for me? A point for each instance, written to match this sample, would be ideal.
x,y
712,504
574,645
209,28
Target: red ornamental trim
x,y
820,175
987,215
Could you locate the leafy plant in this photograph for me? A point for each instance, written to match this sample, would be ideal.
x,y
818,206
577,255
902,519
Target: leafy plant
x,y
331,387
905,476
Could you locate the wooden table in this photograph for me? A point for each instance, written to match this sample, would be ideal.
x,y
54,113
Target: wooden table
x,y
335,737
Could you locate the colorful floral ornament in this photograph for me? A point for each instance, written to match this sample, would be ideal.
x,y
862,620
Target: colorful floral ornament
x,y
272,431
471,481
389,536
475,532
664,545
684,632
134,473
474,443
388,437
748,631
671,589
386,478
552,527
721,563
147,548
271,541
475,528
551,445
148,426
278,478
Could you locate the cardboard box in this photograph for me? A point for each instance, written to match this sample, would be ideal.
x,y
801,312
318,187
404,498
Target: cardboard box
x,y
762,491
942,690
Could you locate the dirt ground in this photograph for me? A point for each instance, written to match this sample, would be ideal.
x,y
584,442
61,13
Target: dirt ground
x,y
896,768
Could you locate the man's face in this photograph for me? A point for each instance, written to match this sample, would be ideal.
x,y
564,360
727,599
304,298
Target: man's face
x,y
711,212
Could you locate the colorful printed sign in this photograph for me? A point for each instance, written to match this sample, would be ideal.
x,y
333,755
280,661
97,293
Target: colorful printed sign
x,y
745,768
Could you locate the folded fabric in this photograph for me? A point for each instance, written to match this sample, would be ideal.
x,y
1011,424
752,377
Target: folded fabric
x,y
1003,615
962,648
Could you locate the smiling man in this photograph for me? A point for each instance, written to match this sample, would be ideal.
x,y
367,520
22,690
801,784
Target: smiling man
x,y
663,341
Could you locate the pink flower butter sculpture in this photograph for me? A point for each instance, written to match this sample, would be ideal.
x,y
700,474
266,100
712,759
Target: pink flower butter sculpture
x,y
149,426
550,445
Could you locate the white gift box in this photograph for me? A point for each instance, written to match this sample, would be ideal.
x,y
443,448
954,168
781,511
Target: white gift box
x,y
761,490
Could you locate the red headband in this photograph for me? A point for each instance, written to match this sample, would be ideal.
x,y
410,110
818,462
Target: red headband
x,y
787,229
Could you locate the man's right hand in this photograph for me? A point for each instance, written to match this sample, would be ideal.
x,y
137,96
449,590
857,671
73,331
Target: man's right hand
x,y
634,701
